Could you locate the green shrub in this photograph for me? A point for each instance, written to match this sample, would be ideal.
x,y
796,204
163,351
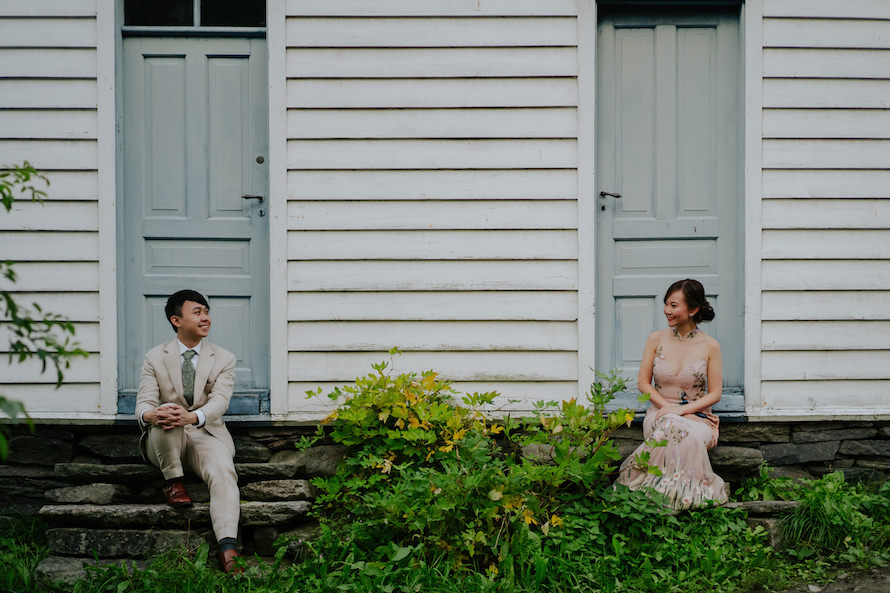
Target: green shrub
x,y
437,479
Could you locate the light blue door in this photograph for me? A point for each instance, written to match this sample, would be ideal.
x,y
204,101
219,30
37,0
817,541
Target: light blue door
x,y
668,142
195,138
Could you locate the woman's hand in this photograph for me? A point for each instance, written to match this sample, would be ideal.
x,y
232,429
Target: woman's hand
x,y
669,409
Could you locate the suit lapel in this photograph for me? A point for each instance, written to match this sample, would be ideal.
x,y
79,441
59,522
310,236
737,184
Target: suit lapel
x,y
174,368
205,365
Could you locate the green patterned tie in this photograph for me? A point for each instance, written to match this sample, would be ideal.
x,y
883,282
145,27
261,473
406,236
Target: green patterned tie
x,y
188,376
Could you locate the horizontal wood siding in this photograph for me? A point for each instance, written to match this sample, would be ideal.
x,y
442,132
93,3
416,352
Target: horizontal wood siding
x,y
432,194
826,208
48,116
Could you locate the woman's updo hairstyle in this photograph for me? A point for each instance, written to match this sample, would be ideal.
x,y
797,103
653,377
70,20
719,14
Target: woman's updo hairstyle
x,y
694,294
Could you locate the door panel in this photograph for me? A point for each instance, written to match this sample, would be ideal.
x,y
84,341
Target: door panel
x,y
194,123
668,121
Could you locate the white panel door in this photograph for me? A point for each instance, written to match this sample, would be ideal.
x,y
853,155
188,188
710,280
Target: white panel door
x,y
195,136
668,136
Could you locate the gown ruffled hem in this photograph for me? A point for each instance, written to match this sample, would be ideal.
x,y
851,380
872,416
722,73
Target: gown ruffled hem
x,y
681,491
686,479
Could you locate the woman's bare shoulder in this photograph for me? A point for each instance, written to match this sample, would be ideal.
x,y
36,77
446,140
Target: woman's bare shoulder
x,y
657,335
712,343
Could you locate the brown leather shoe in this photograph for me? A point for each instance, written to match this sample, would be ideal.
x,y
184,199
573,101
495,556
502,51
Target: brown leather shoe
x,y
228,564
177,496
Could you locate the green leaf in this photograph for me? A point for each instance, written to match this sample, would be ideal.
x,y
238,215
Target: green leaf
x,y
402,553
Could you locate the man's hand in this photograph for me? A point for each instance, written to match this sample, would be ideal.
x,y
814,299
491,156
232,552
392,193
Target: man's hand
x,y
169,416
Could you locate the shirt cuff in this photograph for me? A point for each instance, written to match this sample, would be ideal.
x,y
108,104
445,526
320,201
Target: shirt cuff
x,y
142,422
201,418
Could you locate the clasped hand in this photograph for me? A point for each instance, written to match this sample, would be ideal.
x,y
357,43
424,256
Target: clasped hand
x,y
669,409
169,416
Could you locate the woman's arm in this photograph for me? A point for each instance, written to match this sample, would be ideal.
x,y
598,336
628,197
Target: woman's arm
x,y
715,381
644,376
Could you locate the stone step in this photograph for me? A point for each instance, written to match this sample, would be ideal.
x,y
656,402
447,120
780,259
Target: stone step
x,y
139,472
161,515
64,571
760,508
318,461
766,514
119,472
118,543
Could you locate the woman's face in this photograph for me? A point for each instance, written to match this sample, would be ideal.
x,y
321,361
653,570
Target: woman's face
x,y
676,311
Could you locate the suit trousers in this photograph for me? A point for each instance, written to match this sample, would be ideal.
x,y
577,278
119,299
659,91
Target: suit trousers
x,y
206,456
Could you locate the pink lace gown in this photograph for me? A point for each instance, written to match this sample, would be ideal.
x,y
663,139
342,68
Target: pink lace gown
x,y
686,479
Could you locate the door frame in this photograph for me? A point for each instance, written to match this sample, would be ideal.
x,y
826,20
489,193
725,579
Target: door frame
x,y
110,18
750,33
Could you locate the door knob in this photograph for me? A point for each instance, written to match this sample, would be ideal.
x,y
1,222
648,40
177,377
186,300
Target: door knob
x,y
248,197
603,194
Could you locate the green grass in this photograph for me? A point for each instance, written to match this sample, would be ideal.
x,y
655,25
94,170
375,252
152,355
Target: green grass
x,y
22,547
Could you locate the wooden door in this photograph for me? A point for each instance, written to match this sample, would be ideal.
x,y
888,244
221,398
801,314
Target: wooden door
x,y
668,142
195,136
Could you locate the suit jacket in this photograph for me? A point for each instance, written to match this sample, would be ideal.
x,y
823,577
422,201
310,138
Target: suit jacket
x,y
161,382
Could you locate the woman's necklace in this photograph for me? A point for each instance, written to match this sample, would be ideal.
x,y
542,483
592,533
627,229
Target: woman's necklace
x,y
688,336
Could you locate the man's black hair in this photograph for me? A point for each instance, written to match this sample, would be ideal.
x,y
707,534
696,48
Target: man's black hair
x,y
174,303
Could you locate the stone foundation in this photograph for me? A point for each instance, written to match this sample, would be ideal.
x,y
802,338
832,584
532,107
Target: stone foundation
x,y
794,449
102,465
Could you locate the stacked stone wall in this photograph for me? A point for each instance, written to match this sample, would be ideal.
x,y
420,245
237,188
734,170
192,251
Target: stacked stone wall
x,y
102,464
794,449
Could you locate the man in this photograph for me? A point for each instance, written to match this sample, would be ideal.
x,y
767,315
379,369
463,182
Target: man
x,y
184,391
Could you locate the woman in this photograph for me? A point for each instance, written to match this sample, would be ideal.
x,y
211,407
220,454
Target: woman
x,y
682,373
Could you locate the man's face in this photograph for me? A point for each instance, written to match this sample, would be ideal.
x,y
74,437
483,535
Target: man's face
x,y
194,323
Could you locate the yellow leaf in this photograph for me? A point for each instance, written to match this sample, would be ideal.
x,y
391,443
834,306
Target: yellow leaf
x,y
529,517
387,466
497,428
558,429
495,495
446,448
400,423
429,380
330,417
555,521
382,416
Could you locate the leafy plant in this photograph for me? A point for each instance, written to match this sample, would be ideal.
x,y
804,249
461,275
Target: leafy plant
x,y
34,333
839,518
430,472
764,486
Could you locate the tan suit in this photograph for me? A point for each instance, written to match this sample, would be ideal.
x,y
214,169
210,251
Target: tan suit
x,y
209,450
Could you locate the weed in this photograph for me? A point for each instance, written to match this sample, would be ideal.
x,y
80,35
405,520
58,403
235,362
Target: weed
x,y
22,547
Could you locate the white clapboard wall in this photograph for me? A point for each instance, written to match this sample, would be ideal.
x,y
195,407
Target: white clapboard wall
x,y
432,190
432,183
826,207
48,116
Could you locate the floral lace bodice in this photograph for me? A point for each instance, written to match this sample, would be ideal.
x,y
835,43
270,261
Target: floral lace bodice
x,y
688,385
